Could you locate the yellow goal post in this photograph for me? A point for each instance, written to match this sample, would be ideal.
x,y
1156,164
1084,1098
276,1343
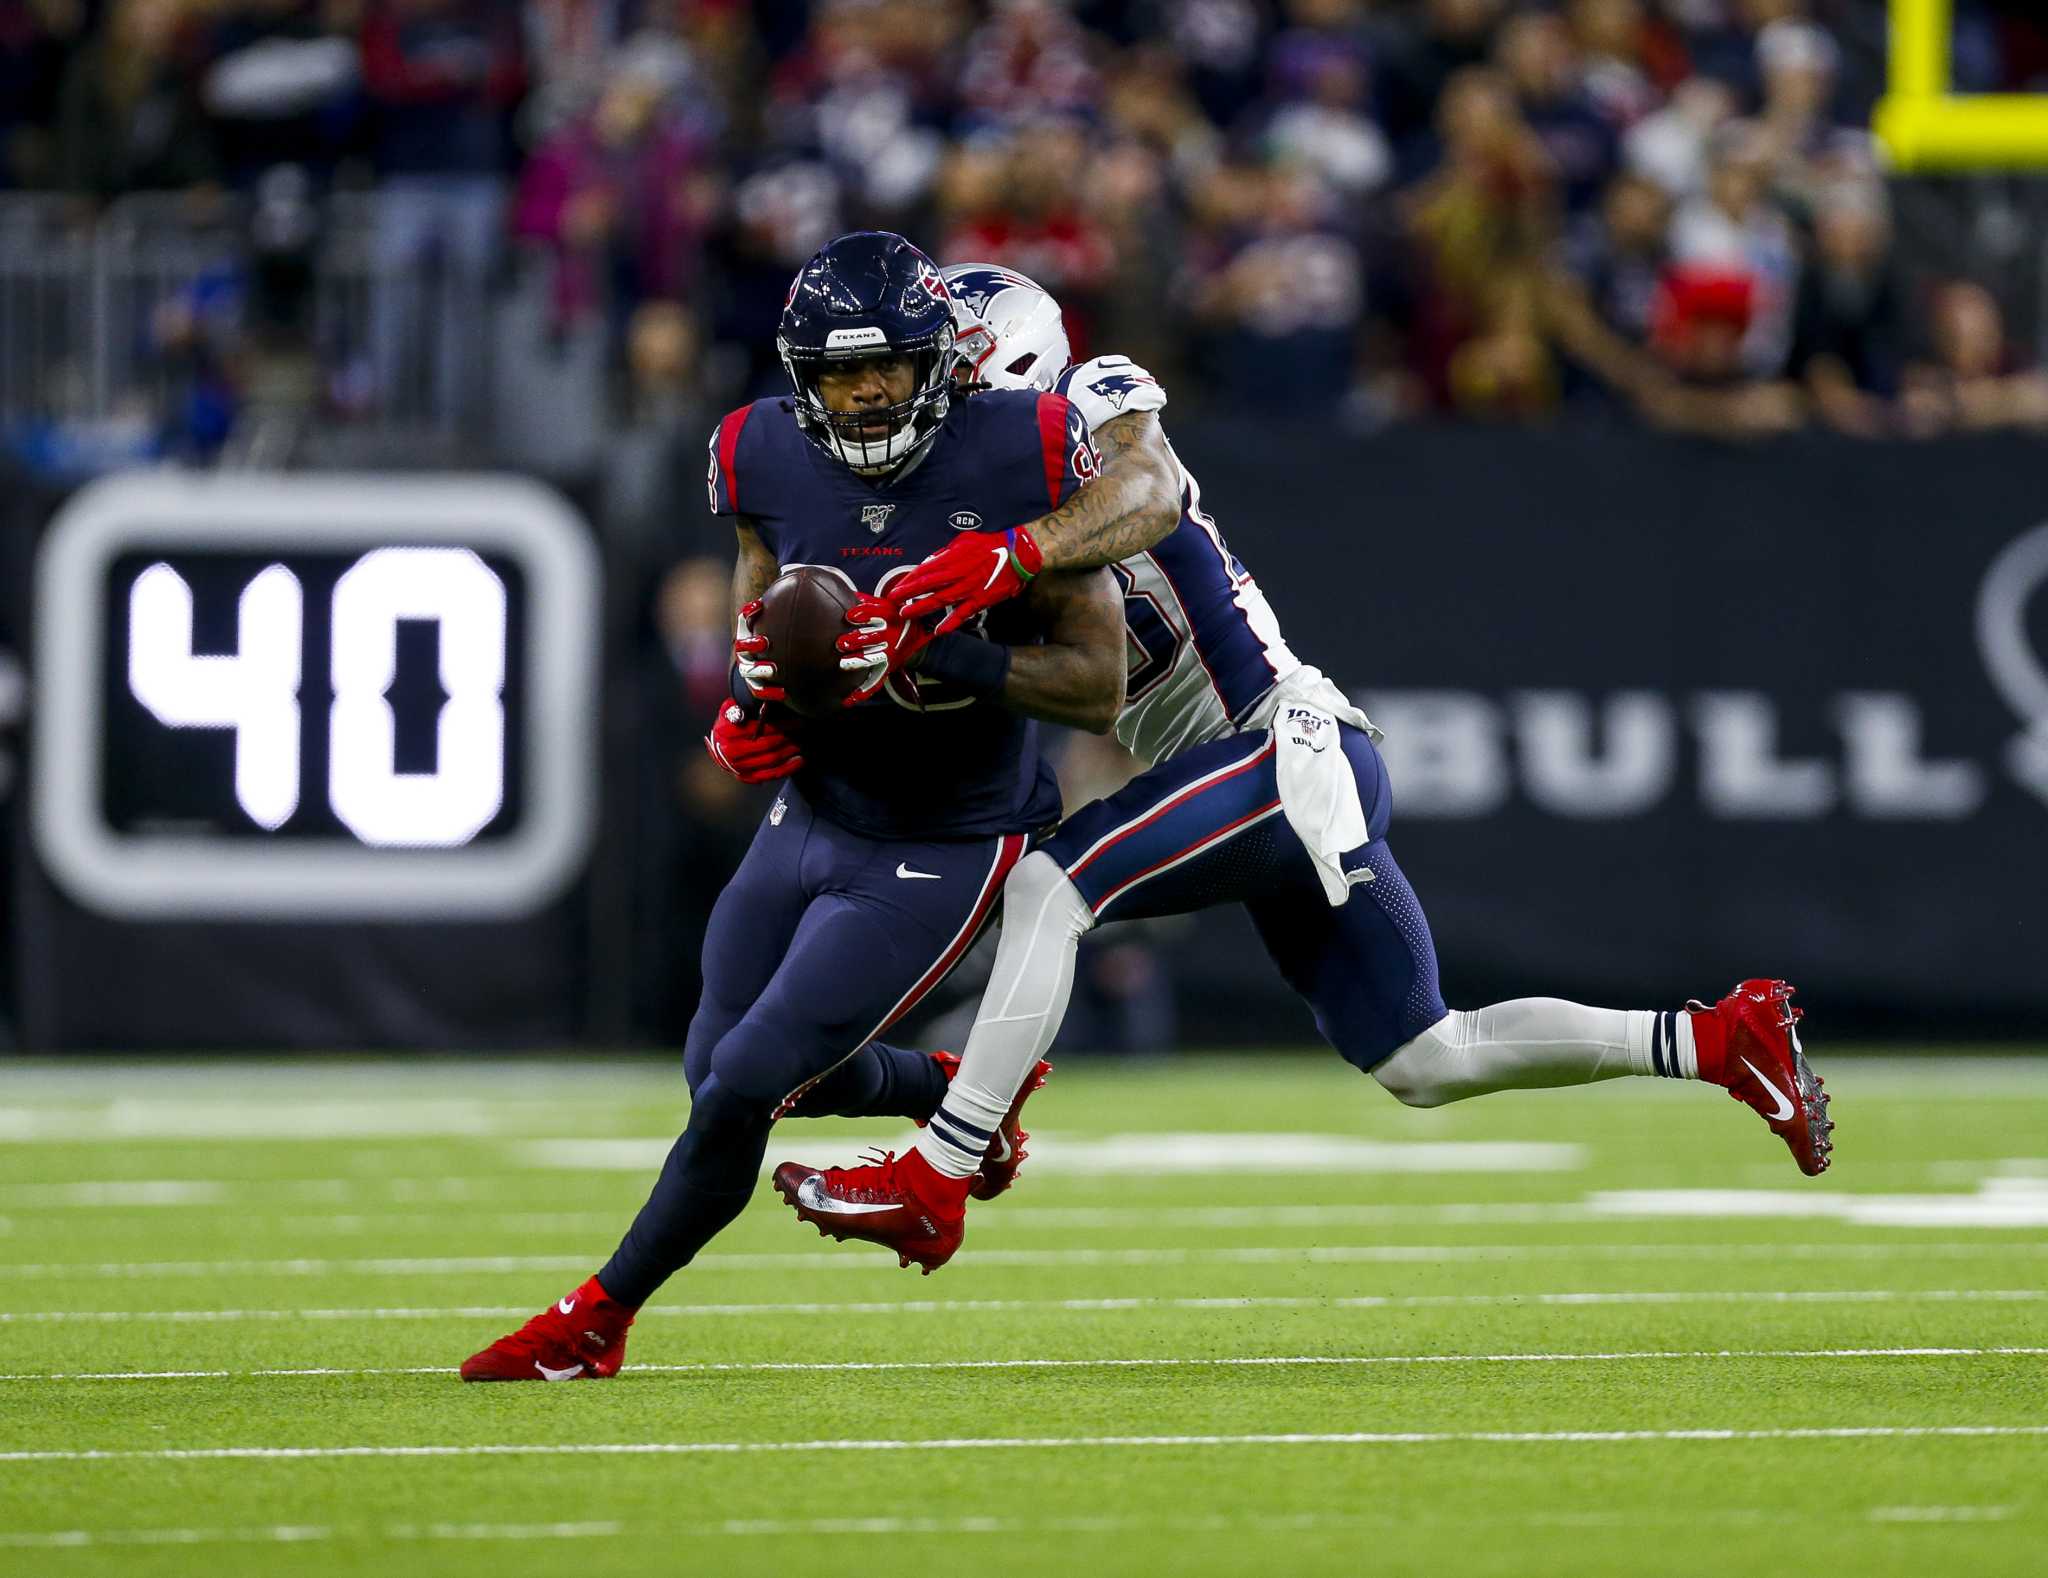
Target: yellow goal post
x,y
1926,129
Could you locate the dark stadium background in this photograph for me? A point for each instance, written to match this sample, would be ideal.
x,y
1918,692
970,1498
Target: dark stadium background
x,y
1586,395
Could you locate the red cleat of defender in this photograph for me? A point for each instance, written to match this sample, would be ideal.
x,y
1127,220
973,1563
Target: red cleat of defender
x,y
900,1202
581,1336
1748,1043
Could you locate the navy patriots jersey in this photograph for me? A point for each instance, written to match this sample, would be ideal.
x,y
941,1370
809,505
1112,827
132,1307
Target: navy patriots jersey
x,y
931,762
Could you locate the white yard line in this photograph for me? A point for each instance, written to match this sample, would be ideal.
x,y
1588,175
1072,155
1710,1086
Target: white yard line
x,y
1253,1361
973,1306
877,1260
1025,1443
788,1528
300,1534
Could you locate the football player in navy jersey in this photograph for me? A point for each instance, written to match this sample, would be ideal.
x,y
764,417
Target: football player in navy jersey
x,y
885,854
1266,788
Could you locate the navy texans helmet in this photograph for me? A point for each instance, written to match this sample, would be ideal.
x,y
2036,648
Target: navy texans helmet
x,y
869,294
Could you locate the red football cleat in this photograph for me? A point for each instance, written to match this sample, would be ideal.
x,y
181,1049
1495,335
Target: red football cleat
x,y
581,1336
1006,1151
900,1202
1748,1042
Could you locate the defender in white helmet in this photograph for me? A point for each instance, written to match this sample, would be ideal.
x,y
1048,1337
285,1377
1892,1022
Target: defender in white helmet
x,y
1267,789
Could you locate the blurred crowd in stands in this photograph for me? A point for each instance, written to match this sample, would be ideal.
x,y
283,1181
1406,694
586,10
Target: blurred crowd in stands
x,y
1353,211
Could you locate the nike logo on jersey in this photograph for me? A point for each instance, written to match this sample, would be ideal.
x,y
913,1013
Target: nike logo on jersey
x,y
1784,1102
569,1374
566,1306
811,1195
903,870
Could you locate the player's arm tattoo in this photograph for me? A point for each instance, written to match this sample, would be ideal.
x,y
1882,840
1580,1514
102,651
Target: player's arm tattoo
x,y
1077,677
1133,504
755,568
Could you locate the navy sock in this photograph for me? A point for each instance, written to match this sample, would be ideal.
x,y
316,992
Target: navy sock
x,y
877,1082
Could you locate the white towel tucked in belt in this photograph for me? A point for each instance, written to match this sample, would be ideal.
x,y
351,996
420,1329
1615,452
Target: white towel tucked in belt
x,y
1318,794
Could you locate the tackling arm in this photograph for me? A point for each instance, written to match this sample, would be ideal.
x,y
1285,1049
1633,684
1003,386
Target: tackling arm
x,y
1132,505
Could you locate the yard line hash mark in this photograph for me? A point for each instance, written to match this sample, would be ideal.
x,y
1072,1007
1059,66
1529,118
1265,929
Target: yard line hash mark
x,y
1248,1361
1103,1305
862,1260
1029,1443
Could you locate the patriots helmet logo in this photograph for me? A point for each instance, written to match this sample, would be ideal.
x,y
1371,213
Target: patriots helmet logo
x,y
977,287
876,517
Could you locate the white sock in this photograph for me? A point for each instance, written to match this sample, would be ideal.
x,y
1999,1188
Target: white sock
x,y
1044,919
1535,1042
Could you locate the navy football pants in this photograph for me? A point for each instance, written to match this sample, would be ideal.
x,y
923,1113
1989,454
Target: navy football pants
x,y
1206,828
821,941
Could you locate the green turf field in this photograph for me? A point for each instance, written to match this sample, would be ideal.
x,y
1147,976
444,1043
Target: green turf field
x,y
1585,1332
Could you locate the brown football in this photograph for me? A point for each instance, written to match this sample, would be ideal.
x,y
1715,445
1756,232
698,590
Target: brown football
x,y
803,613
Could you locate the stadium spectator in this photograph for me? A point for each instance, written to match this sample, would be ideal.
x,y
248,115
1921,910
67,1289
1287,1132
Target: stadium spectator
x,y
34,38
1702,319
280,84
869,93
1974,380
623,196
1423,54
1626,64
1600,295
1018,203
1028,61
1735,226
443,77
1849,326
1537,53
1480,225
1275,292
1321,82
1671,145
128,116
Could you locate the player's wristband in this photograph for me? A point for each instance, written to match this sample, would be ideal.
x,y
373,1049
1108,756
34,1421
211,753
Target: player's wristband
x,y
1025,557
978,667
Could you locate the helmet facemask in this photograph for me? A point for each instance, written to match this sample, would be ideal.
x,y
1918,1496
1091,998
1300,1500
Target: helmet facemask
x,y
911,423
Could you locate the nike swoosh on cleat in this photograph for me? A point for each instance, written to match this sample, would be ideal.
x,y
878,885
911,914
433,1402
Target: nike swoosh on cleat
x,y
566,1306
1000,1150
1784,1102
811,1195
569,1374
903,870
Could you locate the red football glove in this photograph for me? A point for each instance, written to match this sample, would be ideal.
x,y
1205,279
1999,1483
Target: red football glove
x,y
973,572
881,642
753,750
750,652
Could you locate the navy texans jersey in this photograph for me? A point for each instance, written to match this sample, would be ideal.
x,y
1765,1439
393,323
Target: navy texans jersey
x,y
1205,647
929,762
